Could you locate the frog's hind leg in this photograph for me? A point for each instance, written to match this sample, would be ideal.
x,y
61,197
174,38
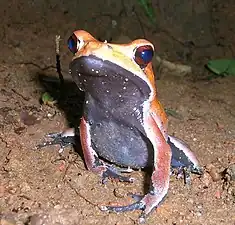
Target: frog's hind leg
x,y
183,159
160,176
92,160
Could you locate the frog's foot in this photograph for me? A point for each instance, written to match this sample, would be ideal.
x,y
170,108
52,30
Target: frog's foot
x,y
136,197
183,160
106,171
92,160
115,173
63,139
147,204
183,173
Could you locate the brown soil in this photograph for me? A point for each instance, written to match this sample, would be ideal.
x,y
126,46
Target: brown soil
x,y
44,187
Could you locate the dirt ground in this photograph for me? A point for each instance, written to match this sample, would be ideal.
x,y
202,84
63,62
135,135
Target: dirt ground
x,y
45,187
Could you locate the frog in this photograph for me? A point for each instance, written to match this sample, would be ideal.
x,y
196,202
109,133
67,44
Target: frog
x,y
124,126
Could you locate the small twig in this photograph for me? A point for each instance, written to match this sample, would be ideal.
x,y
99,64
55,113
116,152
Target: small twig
x,y
36,65
70,163
7,159
123,9
81,196
58,66
3,35
16,92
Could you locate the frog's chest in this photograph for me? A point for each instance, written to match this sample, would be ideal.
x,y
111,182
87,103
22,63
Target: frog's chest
x,y
116,137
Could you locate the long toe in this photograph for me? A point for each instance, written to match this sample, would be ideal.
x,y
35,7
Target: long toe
x,y
135,206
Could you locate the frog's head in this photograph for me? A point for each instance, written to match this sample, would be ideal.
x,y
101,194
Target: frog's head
x,y
122,69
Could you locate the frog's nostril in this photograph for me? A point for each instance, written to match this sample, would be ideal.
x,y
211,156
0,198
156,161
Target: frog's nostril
x,y
73,44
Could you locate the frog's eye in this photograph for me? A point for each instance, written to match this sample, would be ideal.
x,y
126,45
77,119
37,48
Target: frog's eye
x,y
74,44
143,55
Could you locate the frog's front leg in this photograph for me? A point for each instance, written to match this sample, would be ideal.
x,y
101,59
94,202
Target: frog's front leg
x,y
64,139
160,177
92,160
93,163
183,159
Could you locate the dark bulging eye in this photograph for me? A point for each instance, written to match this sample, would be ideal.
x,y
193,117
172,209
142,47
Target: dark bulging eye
x,y
73,43
143,55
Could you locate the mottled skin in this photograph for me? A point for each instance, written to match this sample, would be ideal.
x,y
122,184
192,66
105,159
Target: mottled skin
x,y
123,121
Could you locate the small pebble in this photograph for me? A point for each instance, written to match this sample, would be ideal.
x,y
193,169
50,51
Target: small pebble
x,y
198,214
7,222
114,23
2,191
199,206
19,130
215,175
190,200
12,190
10,200
231,172
206,180
27,118
119,192
218,194
37,219
25,187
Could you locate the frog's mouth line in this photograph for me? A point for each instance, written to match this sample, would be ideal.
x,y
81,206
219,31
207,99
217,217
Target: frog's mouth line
x,y
86,69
